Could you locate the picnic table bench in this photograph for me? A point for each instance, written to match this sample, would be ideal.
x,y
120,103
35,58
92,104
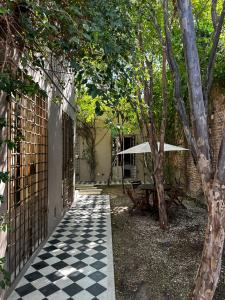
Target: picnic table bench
x,y
140,195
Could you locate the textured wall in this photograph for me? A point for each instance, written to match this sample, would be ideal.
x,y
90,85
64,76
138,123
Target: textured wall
x,y
185,164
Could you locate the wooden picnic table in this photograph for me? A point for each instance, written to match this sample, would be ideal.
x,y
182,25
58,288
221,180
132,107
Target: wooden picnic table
x,y
173,193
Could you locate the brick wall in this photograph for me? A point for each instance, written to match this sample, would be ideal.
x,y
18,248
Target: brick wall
x,y
183,163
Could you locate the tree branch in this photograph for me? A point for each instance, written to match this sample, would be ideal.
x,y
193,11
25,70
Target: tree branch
x,y
177,94
164,107
214,13
212,57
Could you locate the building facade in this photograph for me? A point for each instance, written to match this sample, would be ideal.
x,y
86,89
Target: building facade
x,y
109,167
41,165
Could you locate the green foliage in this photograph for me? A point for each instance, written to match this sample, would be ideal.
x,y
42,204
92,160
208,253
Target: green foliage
x,y
2,122
4,177
12,84
5,281
3,223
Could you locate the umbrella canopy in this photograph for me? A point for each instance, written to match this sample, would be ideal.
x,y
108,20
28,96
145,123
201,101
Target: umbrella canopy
x,y
145,147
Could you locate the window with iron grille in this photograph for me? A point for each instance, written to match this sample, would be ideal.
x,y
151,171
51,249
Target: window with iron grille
x,y
68,159
27,188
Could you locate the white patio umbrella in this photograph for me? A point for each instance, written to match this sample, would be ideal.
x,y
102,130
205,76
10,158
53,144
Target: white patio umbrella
x,y
145,147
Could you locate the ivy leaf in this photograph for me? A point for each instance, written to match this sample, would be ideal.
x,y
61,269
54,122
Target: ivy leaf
x,y
4,177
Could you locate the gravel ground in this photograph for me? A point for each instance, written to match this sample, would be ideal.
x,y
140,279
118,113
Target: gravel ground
x,y
151,264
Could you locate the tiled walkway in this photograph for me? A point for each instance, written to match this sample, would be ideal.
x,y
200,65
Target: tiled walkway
x,y
76,262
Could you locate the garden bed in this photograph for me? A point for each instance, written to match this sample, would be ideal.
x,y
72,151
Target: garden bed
x,y
151,264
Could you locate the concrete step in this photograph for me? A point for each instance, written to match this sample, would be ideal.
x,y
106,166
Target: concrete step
x,y
90,192
86,188
85,185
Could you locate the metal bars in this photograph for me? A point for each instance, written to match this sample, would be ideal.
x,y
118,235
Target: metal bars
x,y
27,188
68,159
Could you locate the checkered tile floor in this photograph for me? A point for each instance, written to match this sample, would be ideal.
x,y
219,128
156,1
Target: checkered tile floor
x,y
76,261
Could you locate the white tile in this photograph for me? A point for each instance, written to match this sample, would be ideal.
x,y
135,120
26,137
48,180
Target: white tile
x,y
47,270
39,283
83,295
22,282
60,295
36,295
89,260
14,296
30,270
67,270
85,282
71,260
52,260
63,282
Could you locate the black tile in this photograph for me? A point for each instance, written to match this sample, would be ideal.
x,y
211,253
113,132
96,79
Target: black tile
x,y
49,289
63,256
97,276
25,289
99,256
79,265
84,241
83,248
99,248
101,222
81,256
100,230
69,241
66,248
86,235
96,289
54,241
100,226
59,265
45,256
98,265
50,248
75,276
33,276
60,230
87,230
100,235
65,221
40,265
54,276
57,235
88,226
71,236
73,289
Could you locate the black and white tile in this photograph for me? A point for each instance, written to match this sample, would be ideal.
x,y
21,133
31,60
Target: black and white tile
x,y
76,262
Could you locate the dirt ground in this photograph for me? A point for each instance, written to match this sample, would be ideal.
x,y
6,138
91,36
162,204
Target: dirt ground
x,y
151,264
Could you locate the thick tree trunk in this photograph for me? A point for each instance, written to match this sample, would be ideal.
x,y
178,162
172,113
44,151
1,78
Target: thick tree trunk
x,y
158,176
209,269
163,220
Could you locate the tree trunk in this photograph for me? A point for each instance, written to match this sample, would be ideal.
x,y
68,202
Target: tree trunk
x,y
158,176
209,269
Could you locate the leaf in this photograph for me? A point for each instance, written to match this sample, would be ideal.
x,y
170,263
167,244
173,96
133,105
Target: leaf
x,y
4,177
2,122
2,199
3,10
